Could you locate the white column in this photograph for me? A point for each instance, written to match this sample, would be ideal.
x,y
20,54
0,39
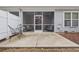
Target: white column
x,y
42,21
34,21
21,17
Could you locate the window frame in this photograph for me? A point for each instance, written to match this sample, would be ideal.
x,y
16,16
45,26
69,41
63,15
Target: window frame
x,y
71,18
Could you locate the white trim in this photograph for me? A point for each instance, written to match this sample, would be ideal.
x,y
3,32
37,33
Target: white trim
x,y
38,24
63,19
21,17
71,19
42,21
7,26
38,15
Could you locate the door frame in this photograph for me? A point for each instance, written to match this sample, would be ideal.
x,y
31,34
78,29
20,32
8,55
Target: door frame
x,y
40,24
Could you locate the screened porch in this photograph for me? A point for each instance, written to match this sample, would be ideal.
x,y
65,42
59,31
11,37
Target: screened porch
x,y
38,21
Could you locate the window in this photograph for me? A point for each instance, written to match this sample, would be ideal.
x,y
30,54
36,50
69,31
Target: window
x,y
68,19
71,19
74,19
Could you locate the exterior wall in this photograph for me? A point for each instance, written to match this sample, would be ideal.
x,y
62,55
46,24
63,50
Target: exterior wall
x,y
58,14
59,23
3,24
13,22
7,19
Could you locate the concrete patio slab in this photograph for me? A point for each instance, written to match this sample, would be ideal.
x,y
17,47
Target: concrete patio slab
x,y
41,39
55,40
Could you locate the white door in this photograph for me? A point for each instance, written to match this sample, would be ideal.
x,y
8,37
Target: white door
x,y
38,23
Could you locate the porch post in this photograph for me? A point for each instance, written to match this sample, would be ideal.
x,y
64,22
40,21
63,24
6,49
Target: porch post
x,y
34,21
21,18
42,21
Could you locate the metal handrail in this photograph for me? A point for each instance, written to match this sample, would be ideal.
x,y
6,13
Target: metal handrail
x,y
13,31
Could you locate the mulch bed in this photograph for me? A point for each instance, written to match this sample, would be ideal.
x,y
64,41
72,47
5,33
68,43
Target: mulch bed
x,y
71,36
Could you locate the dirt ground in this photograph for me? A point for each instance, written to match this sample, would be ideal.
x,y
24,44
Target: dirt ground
x,y
47,49
71,36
